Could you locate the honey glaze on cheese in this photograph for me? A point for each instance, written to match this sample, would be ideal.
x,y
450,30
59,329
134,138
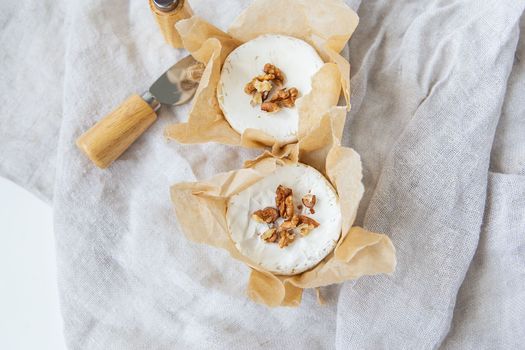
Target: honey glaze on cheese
x,y
305,251
295,58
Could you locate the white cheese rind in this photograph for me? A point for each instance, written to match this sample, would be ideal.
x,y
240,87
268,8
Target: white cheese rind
x,y
297,60
305,252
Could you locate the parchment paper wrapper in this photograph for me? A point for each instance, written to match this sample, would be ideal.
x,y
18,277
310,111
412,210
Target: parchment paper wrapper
x,y
326,25
358,252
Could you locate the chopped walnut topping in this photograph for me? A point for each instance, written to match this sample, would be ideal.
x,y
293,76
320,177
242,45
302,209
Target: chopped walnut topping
x,y
286,238
285,234
295,220
304,229
250,88
270,107
276,72
261,86
309,201
257,99
259,89
306,225
267,215
281,193
290,224
283,98
284,201
270,235
265,77
303,219
285,94
288,205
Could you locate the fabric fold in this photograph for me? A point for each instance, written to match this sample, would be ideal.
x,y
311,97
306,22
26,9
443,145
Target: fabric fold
x,y
428,83
426,169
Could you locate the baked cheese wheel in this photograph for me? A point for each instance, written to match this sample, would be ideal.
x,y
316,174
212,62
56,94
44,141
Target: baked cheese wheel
x,y
304,252
296,59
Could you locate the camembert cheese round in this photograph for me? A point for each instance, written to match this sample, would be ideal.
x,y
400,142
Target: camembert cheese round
x,y
298,62
286,235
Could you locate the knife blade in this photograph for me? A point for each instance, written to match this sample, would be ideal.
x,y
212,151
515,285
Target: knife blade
x,y
112,135
179,83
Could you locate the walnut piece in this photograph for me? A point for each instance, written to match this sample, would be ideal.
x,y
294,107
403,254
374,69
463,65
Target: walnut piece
x,y
309,201
286,238
270,235
273,70
306,225
270,107
303,219
261,83
283,98
257,99
261,86
304,229
250,88
266,77
284,201
286,97
259,89
290,224
267,215
280,195
289,209
285,234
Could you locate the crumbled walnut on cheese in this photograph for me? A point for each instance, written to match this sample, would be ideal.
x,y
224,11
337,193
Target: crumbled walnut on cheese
x,y
270,235
273,70
270,107
309,201
304,229
257,99
290,224
303,219
286,97
283,98
261,86
288,205
265,77
285,234
286,238
250,88
259,89
284,201
267,215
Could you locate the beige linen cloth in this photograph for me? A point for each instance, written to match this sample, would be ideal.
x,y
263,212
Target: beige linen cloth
x,y
439,120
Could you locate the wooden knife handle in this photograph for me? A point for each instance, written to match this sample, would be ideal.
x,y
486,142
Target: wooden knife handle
x,y
167,21
113,134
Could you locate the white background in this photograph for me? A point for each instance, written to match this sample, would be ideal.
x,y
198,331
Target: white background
x,y
29,310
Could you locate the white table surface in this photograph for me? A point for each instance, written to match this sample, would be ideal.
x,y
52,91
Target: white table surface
x,y
29,309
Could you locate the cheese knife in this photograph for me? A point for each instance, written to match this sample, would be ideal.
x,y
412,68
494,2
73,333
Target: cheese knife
x,y
110,137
